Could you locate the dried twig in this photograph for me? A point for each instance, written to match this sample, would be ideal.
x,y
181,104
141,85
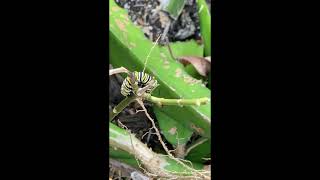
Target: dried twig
x,y
118,70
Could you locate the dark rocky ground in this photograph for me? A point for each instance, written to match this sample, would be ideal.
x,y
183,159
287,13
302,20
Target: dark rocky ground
x,y
147,14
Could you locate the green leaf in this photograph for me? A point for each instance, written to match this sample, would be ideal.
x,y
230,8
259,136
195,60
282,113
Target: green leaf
x,y
175,132
193,72
123,156
118,153
205,25
199,152
129,48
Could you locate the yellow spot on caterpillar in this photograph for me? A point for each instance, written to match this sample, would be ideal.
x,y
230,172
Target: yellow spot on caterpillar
x,y
114,111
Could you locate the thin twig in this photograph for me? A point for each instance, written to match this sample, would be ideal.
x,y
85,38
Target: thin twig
x,y
200,141
170,51
154,45
165,31
118,70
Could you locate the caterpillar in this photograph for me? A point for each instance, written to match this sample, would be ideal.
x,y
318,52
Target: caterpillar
x,y
143,80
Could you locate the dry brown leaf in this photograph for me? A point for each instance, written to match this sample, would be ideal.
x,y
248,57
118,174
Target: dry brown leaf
x,y
201,64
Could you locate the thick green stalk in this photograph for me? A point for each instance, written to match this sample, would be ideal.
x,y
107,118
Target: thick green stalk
x,y
160,101
123,104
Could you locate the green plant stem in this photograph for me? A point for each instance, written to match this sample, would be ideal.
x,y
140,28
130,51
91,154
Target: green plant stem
x,y
160,101
177,102
123,104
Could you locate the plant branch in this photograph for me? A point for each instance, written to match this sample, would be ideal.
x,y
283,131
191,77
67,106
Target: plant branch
x,y
123,104
179,102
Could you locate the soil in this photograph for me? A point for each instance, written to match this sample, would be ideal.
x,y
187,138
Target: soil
x,y
153,21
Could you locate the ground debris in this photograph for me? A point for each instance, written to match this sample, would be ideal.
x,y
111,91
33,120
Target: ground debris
x,y
153,21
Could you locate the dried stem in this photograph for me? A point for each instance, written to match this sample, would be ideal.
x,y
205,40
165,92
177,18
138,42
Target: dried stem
x,y
145,63
195,144
118,70
170,51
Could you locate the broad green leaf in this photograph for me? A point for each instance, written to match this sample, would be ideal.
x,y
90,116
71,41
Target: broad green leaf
x,y
175,132
199,152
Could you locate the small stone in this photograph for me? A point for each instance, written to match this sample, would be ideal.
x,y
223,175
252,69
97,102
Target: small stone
x,y
126,6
